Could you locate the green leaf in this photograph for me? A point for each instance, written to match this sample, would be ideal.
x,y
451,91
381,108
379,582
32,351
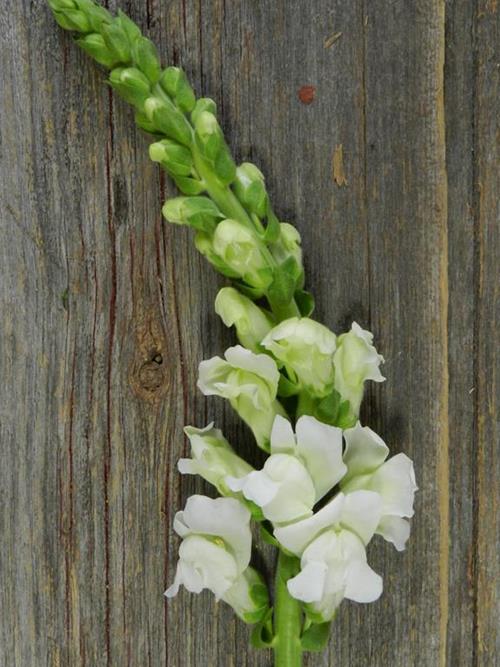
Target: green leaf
x,y
316,637
305,302
273,228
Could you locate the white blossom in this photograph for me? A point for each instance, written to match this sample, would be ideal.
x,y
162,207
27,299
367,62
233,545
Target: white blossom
x,y
251,322
355,361
306,349
302,468
250,382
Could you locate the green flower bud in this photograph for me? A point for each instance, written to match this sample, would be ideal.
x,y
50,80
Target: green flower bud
x,y
177,159
96,15
146,58
168,120
203,104
70,18
252,323
243,252
129,28
197,212
174,82
288,244
204,245
117,41
144,123
95,46
132,85
210,141
306,349
250,189
61,5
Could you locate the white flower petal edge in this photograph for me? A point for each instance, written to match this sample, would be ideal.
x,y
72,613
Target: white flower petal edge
x,y
334,567
393,480
216,545
299,472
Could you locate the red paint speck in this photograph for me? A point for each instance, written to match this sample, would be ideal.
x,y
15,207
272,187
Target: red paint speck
x,y
307,94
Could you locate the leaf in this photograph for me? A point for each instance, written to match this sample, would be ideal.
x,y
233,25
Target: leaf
x,y
316,637
305,302
286,387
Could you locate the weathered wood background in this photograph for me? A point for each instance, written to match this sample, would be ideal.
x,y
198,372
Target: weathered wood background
x,y
106,312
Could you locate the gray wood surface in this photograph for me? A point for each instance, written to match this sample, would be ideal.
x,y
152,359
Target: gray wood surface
x,y
106,312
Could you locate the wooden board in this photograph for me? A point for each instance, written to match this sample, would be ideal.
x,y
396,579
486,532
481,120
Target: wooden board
x,y
390,174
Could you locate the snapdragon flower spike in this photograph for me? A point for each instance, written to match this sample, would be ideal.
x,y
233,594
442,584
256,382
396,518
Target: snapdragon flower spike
x,y
394,481
215,554
331,546
302,468
355,361
250,382
306,349
212,458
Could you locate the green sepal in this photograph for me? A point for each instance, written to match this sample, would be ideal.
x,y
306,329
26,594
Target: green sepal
x,y
305,302
315,638
260,597
203,243
203,104
95,46
249,291
117,41
144,123
130,29
174,82
189,186
145,57
262,635
345,418
284,282
327,409
224,167
267,535
255,510
176,159
287,388
273,228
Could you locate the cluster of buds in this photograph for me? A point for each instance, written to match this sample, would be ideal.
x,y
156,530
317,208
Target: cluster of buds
x,y
326,487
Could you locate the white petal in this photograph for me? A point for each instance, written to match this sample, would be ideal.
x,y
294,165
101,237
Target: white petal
x,y
282,436
361,513
320,446
395,482
256,486
297,536
365,451
394,529
174,588
362,583
226,518
295,494
211,373
206,564
260,364
308,585
187,467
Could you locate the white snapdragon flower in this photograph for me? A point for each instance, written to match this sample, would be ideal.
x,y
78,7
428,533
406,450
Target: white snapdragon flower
x,y
250,382
302,468
215,553
212,457
331,545
355,361
306,349
251,322
394,481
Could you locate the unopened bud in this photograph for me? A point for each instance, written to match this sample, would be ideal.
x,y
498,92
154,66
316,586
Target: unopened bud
x,y
95,46
203,104
168,120
210,140
174,82
250,188
251,322
197,212
146,58
132,85
175,158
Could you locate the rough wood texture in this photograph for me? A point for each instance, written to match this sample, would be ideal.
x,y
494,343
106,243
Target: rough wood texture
x,y
106,312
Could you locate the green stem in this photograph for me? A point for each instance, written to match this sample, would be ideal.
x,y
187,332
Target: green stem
x,y
306,404
287,616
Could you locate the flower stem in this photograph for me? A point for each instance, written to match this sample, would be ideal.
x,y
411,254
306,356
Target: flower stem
x,y
287,616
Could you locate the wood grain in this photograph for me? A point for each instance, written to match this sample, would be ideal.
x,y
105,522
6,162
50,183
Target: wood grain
x,y
106,312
